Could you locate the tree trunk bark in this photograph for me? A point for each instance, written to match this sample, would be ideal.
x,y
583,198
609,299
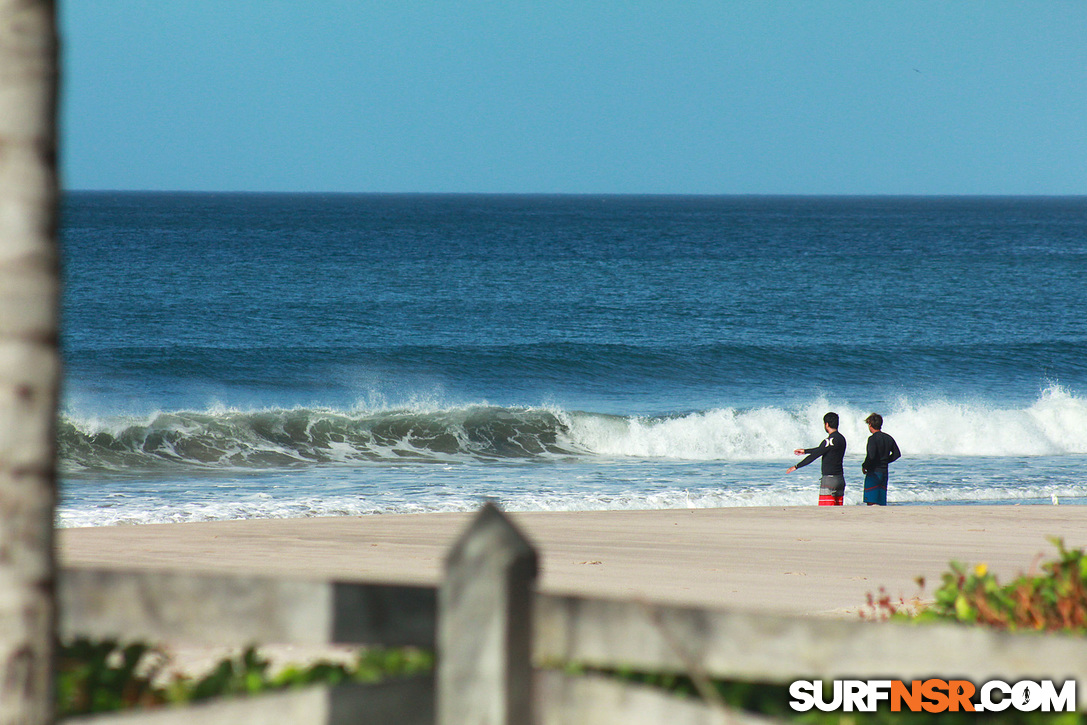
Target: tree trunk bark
x,y
29,359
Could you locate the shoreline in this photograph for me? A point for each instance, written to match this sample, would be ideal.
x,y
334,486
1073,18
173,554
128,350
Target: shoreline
x,y
808,560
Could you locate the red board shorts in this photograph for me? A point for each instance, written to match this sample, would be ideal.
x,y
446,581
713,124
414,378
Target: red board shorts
x,y
831,490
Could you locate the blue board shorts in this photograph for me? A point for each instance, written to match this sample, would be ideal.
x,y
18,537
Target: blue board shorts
x,y
875,488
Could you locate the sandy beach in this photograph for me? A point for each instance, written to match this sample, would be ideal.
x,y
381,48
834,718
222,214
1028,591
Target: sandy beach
x,y
797,560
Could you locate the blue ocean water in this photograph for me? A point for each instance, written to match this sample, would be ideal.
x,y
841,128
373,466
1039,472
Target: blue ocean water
x,y
268,355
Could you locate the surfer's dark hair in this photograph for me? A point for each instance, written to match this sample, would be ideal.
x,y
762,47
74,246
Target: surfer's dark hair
x,y
831,419
875,420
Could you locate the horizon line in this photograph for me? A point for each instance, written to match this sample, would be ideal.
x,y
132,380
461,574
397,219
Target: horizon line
x,y
610,194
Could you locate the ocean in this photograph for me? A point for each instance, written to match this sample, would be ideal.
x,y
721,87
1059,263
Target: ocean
x,y
277,355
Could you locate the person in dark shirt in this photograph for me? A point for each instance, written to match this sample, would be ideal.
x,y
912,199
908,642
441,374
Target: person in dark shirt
x,y
832,450
882,450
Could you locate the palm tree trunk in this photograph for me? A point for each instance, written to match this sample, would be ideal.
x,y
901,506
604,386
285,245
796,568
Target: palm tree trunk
x,y
29,360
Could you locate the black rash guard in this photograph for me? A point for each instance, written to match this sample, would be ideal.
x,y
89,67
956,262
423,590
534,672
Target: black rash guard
x,y
832,450
881,450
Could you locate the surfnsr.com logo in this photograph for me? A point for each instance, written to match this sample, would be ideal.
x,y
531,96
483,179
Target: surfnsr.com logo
x,y
933,695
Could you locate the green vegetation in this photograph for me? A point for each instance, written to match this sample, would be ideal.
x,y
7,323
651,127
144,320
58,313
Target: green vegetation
x,y
102,676
1053,601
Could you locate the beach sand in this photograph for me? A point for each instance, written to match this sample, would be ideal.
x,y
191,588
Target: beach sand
x,y
795,560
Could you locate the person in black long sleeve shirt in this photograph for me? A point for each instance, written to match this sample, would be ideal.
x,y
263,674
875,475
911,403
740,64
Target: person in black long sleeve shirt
x,y
832,451
881,451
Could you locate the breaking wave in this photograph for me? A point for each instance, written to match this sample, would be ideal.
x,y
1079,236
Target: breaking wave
x,y
278,438
1055,424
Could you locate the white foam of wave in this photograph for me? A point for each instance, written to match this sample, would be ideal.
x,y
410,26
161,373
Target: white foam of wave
x,y
715,434
1055,424
254,507
799,491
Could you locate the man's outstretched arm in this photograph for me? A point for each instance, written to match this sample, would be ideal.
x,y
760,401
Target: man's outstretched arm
x,y
813,453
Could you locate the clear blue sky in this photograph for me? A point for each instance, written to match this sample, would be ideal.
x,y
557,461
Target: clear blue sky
x,y
579,96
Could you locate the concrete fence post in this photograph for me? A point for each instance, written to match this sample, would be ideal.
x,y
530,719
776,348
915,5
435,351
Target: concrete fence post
x,y
485,625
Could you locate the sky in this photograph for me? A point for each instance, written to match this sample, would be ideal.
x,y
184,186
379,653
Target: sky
x,y
578,96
